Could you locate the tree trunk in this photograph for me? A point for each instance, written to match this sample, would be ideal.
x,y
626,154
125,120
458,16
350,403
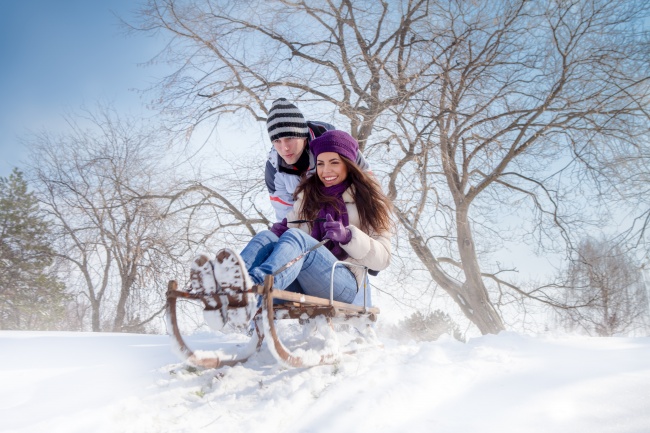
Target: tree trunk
x,y
125,292
94,305
473,296
120,310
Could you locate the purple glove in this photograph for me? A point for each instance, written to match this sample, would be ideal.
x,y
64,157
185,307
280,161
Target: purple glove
x,y
279,228
336,231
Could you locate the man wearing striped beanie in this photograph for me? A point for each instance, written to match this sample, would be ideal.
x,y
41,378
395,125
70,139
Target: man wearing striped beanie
x,y
290,157
288,130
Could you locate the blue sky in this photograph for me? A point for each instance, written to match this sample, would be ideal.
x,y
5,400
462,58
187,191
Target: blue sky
x,y
58,55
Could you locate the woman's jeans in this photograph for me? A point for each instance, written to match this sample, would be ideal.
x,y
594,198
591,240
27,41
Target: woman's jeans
x,y
266,253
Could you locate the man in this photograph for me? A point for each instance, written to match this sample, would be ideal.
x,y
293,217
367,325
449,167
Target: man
x,y
290,157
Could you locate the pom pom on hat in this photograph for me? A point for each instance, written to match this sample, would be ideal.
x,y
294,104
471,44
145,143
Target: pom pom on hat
x,y
286,120
335,141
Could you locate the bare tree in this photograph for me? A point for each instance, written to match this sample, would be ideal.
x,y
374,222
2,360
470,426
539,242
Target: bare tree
x,y
235,57
119,248
227,207
609,286
629,168
474,111
525,94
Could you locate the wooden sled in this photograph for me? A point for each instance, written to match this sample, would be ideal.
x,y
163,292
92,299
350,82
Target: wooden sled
x,y
294,306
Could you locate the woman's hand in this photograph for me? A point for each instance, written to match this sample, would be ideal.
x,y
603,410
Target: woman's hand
x,y
279,228
336,231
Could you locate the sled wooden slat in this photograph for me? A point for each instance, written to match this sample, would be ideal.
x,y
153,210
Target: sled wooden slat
x,y
314,300
180,294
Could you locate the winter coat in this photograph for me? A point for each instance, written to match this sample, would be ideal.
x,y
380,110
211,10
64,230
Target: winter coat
x,y
370,249
282,180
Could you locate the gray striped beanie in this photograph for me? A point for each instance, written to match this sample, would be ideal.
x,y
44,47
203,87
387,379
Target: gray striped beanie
x,y
285,120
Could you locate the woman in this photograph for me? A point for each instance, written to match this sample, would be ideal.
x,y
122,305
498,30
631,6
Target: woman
x,y
340,203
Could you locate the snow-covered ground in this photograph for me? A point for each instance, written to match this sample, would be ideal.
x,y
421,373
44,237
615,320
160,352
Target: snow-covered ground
x,y
83,382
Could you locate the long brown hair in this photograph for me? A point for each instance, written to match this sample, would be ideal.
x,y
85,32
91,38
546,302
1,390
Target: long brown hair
x,y
374,207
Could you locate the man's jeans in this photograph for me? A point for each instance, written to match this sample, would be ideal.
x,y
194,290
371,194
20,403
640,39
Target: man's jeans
x,y
266,253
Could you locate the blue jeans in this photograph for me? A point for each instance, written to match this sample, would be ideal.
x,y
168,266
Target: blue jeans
x,y
266,253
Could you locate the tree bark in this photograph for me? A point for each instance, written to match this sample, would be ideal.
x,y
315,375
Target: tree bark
x,y
473,296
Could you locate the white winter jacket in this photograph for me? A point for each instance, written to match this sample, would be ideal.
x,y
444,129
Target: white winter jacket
x,y
368,249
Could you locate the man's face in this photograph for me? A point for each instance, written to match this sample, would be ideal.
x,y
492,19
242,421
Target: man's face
x,y
290,148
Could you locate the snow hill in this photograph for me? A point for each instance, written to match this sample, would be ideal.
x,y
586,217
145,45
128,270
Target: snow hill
x,y
85,382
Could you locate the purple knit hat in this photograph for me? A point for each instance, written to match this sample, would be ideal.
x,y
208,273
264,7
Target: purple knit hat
x,y
335,141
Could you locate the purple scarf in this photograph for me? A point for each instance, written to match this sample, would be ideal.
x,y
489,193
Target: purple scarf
x,y
338,213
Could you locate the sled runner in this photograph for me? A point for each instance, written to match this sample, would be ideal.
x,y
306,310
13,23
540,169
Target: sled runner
x,y
277,306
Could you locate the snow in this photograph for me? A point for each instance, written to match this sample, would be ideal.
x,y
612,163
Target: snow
x,y
85,382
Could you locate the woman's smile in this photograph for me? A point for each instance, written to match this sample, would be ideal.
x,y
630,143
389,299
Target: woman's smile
x,y
331,169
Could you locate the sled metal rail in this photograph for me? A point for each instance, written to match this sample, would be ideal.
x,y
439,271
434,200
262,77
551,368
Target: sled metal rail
x,y
294,306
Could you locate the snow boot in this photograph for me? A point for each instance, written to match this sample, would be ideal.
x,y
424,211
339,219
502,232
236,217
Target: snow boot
x,y
203,282
202,276
235,282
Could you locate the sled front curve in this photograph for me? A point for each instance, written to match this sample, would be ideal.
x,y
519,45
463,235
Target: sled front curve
x,y
216,359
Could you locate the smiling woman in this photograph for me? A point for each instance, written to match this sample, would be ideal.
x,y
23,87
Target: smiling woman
x,y
330,168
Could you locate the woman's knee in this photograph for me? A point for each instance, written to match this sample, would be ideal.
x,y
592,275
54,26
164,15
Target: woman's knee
x,y
297,235
266,237
295,232
259,248
260,241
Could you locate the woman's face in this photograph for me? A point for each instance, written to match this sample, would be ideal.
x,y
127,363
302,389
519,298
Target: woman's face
x,y
331,169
